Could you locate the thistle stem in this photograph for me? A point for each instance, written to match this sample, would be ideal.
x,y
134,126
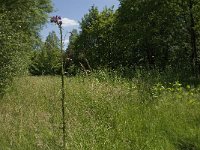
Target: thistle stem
x,y
63,88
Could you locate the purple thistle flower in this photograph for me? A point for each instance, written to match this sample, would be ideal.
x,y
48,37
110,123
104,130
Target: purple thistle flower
x,y
56,19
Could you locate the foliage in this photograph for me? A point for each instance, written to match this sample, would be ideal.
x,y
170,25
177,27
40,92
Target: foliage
x,y
47,59
151,33
161,35
21,21
70,66
92,47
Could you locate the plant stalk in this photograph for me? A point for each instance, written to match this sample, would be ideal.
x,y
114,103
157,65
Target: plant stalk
x,y
63,88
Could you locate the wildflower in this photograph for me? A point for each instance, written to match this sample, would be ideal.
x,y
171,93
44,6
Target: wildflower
x,y
57,20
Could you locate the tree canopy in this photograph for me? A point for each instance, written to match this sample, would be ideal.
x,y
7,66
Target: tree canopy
x,y
149,34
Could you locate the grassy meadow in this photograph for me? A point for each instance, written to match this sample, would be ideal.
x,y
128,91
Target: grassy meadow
x,y
102,113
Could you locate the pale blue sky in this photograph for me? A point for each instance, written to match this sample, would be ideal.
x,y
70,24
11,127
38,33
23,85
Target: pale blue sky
x,y
72,11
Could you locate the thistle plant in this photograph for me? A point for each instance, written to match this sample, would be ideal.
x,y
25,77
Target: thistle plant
x,y
58,21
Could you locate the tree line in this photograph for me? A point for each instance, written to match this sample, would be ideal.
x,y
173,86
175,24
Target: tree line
x,y
149,34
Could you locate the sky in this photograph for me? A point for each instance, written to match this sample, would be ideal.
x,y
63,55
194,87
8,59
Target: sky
x,y
71,12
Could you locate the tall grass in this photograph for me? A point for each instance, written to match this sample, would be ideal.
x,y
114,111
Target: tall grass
x,y
102,112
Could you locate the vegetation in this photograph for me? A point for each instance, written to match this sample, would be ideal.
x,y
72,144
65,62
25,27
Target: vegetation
x,y
133,77
102,112
153,34
46,60
21,21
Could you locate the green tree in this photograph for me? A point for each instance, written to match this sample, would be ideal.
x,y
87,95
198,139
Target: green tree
x,y
46,60
159,34
71,46
144,29
21,21
151,34
70,59
93,44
